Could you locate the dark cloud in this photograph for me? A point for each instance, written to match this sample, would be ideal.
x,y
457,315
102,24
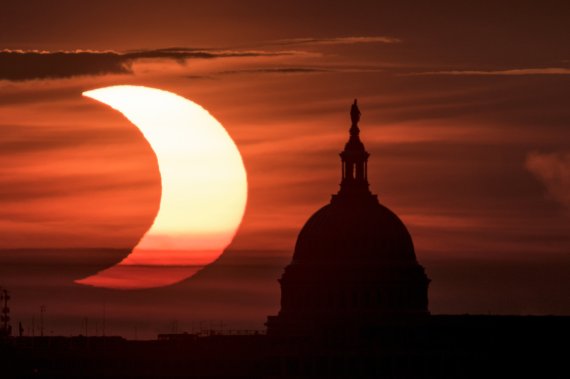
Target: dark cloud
x,y
186,53
28,65
22,65
19,65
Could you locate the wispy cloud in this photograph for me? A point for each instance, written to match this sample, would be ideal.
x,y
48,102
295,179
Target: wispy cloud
x,y
338,40
277,70
553,170
508,72
21,65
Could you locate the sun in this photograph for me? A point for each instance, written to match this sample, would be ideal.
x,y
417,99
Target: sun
x,y
204,184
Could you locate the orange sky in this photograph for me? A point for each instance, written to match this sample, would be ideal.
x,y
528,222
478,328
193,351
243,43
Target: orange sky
x,y
465,114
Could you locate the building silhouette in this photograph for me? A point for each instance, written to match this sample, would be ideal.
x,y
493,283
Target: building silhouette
x,y
354,266
354,304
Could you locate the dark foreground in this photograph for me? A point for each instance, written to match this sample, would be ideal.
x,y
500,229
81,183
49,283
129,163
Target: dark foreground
x,y
437,347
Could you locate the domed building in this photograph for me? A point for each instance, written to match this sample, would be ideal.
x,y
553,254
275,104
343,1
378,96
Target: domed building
x,y
354,265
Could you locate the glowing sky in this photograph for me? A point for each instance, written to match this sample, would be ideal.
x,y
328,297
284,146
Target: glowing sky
x,y
464,111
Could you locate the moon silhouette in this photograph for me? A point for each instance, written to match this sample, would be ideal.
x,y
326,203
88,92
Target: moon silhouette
x,y
204,188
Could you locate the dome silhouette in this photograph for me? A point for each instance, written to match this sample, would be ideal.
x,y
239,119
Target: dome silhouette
x,y
354,267
349,232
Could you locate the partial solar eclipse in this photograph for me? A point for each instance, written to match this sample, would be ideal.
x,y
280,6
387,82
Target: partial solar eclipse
x,y
204,188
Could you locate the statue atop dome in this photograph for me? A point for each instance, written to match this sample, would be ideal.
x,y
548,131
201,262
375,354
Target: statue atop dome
x,y
355,113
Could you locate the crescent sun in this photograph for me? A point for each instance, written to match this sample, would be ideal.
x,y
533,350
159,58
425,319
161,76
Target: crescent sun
x,y
204,188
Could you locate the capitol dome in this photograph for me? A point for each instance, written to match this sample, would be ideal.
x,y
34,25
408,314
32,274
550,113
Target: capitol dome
x,y
346,232
354,266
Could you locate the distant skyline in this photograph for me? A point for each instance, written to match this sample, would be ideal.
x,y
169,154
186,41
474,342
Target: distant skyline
x,y
464,111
